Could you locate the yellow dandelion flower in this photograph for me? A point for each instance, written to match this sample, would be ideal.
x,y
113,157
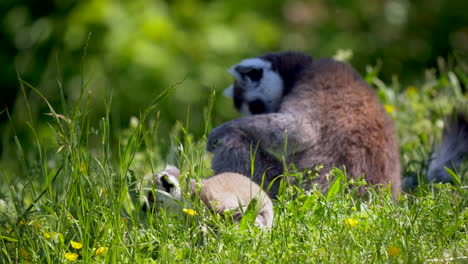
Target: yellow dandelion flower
x,y
351,222
100,250
190,212
393,251
76,245
389,108
71,256
49,235
353,208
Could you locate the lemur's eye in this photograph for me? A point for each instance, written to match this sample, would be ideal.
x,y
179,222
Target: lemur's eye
x,y
166,183
253,74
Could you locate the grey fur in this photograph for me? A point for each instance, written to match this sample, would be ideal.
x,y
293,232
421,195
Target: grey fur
x,y
452,151
328,115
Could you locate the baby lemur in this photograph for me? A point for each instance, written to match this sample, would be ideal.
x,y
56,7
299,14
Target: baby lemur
x,y
222,192
309,112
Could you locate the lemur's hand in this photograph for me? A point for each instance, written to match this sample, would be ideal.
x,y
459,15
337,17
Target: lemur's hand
x,y
220,134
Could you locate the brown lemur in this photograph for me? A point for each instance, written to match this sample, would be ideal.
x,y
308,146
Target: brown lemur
x,y
311,113
325,114
220,193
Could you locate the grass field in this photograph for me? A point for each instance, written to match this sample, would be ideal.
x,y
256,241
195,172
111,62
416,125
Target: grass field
x,y
77,197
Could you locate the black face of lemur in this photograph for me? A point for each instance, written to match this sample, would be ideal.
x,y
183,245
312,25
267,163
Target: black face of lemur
x,y
255,106
252,76
250,73
166,184
261,82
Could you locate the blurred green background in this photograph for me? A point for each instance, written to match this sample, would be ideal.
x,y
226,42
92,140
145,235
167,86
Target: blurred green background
x,y
136,49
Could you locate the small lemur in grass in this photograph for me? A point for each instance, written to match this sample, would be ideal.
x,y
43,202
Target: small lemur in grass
x,y
310,112
220,193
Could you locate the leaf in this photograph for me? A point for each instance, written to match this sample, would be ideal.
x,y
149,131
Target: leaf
x,y
250,214
334,188
7,238
456,179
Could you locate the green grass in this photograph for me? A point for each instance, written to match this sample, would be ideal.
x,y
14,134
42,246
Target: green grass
x,y
77,186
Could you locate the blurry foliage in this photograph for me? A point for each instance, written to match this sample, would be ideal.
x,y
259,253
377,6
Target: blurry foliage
x,y
130,51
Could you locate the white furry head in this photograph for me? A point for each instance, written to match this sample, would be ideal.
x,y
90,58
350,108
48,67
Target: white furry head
x,y
257,87
167,192
262,82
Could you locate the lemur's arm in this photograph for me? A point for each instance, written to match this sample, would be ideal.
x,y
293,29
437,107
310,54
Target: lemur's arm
x,y
275,132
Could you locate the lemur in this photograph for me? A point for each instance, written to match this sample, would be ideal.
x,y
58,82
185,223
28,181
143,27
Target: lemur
x,y
220,193
309,112
316,112
452,152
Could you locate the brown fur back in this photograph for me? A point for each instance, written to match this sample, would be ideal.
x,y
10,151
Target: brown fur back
x,y
355,130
